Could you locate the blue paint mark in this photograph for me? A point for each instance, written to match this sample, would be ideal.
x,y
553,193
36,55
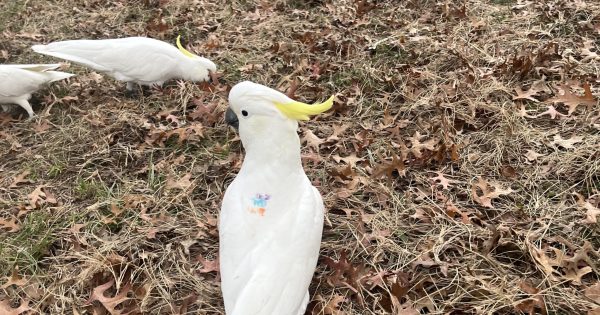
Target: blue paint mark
x,y
260,200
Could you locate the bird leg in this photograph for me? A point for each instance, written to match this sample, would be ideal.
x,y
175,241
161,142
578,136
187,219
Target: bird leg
x,y
133,90
27,107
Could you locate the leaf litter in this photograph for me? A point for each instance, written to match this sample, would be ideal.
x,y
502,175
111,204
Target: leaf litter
x,y
459,165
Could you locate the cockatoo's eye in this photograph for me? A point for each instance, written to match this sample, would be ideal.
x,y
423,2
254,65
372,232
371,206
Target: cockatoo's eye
x,y
244,113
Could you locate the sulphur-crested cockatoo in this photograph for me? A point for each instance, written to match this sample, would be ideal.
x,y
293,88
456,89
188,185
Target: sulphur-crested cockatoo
x,y
271,218
17,82
140,60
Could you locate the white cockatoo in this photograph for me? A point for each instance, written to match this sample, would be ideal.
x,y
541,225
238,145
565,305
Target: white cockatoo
x,y
271,218
140,60
18,82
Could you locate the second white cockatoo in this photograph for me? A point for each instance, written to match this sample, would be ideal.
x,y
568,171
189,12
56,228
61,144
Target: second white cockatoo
x,y
271,218
140,60
18,82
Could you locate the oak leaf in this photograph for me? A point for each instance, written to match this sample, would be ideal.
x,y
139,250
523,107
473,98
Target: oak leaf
x,y
572,100
566,143
12,225
110,303
593,292
21,179
485,199
591,211
532,155
6,309
183,183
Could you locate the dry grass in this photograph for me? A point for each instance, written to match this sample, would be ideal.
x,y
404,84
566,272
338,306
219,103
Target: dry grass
x,y
110,193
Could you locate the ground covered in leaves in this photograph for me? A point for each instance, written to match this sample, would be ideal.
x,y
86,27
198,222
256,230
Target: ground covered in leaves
x,y
460,165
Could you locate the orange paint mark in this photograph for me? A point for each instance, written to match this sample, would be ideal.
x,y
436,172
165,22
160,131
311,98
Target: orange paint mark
x,y
260,211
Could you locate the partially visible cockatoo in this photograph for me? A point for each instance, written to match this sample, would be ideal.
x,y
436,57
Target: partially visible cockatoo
x,y
17,82
140,60
271,218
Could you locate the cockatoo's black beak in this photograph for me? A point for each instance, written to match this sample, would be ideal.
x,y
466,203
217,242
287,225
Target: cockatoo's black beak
x,y
231,118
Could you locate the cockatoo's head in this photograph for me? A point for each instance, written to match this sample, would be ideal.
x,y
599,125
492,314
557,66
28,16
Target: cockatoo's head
x,y
200,67
257,110
267,119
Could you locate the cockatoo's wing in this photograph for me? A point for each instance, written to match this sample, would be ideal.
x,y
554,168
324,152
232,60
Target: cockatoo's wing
x,y
16,81
267,262
127,59
36,67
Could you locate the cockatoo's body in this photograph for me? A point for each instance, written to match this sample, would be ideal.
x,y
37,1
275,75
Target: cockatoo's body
x,y
272,217
18,82
140,60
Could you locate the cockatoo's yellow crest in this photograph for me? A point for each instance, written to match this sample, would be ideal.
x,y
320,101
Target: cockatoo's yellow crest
x,y
183,50
301,111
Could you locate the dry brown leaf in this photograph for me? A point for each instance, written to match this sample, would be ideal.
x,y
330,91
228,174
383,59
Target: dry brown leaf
x,y
593,292
14,279
591,211
338,130
532,155
350,160
566,143
536,302
443,181
110,303
6,309
12,225
208,265
21,179
417,145
485,199
526,95
332,307
552,112
183,183
572,100
40,196
311,140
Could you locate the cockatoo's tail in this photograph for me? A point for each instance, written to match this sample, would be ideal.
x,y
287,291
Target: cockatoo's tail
x,y
301,111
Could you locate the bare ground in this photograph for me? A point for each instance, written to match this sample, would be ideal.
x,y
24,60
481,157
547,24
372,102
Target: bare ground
x,y
460,166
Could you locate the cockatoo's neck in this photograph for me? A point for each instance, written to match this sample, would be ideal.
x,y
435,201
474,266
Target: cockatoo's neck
x,y
274,153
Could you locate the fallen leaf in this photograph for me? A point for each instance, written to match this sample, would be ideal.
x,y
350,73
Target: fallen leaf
x,y
110,303
208,265
593,292
591,211
311,140
566,143
417,145
21,179
183,183
443,181
12,225
14,279
532,155
6,309
552,112
526,95
536,301
572,100
485,199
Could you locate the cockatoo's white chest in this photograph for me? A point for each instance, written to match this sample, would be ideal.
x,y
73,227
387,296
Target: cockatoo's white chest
x,y
270,233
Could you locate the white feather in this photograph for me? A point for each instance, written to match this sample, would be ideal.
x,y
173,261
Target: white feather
x,y
18,82
141,60
267,261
